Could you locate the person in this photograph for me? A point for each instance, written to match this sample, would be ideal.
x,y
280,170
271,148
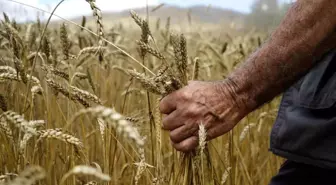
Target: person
x,y
299,59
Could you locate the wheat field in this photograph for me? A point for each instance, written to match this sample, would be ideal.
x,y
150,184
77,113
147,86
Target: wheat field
x,y
80,106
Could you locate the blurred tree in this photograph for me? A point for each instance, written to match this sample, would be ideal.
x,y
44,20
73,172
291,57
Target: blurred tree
x,y
266,14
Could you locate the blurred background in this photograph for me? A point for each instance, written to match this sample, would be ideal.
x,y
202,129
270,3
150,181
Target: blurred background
x,y
207,39
235,14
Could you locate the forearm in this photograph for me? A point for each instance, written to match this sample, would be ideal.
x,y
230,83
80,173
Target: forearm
x,y
306,32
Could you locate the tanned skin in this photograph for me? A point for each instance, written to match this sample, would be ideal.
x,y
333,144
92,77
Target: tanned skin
x,y
307,32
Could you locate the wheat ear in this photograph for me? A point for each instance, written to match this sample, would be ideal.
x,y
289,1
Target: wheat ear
x,y
29,176
148,83
116,120
86,171
19,122
74,97
58,134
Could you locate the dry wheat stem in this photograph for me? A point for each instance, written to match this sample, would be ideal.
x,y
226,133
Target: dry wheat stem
x,y
86,171
5,127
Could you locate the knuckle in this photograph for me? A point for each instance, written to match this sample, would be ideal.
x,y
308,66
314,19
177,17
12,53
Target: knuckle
x,y
193,129
193,110
185,95
174,137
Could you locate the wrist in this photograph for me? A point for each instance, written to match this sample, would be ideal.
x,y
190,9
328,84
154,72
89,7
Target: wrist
x,y
238,94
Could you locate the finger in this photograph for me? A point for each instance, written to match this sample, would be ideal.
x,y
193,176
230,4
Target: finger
x,y
217,131
171,121
168,104
183,132
187,145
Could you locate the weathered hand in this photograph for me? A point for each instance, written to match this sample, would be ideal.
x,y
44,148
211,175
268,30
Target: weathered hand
x,y
213,104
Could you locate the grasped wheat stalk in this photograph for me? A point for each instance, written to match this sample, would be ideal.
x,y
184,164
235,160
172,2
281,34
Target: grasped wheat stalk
x,y
148,83
202,138
132,91
143,24
150,50
196,69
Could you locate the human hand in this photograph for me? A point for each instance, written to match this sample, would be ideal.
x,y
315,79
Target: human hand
x,y
214,104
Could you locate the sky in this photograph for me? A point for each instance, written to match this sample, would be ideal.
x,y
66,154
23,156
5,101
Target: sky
x,y
74,8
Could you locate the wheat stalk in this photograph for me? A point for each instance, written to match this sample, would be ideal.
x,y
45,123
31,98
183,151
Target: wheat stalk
x,y
99,20
19,122
150,50
65,42
8,131
86,171
196,69
148,83
91,183
58,134
57,72
225,175
3,104
245,131
91,50
36,123
116,120
29,176
13,32
85,94
7,69
20,69
72,96
202,138
7,176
